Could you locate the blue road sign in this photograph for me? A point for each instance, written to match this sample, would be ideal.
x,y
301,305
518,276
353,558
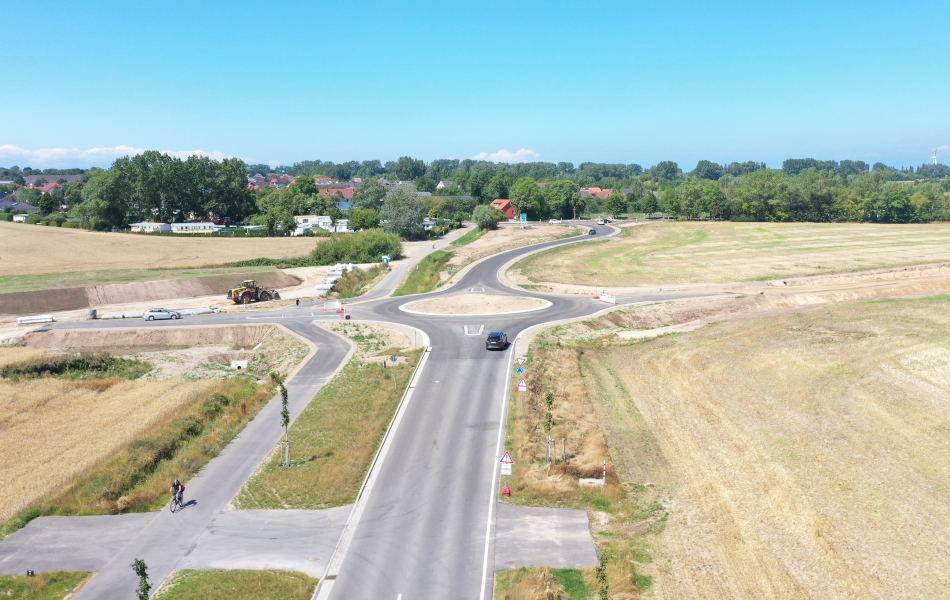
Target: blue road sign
x,y
519,370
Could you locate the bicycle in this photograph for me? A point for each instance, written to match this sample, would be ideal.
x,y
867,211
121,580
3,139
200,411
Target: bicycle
x,y
177,502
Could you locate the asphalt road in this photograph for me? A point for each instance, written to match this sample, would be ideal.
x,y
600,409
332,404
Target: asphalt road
x,y
426,528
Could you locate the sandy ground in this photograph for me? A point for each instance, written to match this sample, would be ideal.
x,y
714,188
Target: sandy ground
x,y
28,249
472,304
803,455
192,353
684,253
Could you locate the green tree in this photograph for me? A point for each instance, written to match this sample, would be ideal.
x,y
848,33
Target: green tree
x,y
716,202
408,168
48,204
501,183
526,198
486,217
665,171
305,185
138,565
424,184
563,198
707,170
363,218
615,203
370,194
649,204
403,213
479,187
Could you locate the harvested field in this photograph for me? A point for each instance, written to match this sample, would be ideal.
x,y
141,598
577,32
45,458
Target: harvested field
x,y
28,249
53,430
704,252
470,304
804,455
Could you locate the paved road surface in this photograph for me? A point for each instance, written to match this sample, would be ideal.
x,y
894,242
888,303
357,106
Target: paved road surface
x,y
427,526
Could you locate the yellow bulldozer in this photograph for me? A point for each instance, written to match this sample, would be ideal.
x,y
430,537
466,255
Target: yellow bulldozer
x,y
249,292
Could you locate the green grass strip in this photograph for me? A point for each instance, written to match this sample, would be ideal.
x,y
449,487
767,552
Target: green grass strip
x,y
425,277
43,586
190,584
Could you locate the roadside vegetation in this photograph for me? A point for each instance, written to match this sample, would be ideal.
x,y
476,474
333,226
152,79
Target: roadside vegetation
x,y
426,276
354,283
188,584
337,435
542,582
767,475
55,585
367,246
45,281
695,252
82,441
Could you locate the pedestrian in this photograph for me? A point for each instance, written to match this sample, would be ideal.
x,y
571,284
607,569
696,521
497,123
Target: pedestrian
x,y
433,245
298,302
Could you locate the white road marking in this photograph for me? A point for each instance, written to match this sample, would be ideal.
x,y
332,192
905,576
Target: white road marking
x,y
470,329
339,552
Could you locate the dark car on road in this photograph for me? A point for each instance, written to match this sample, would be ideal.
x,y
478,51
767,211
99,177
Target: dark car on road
x,y
592,231
496,339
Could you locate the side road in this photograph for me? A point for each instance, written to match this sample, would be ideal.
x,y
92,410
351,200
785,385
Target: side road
x,y
168,537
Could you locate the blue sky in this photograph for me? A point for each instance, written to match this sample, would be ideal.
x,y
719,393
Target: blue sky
x,y
597,81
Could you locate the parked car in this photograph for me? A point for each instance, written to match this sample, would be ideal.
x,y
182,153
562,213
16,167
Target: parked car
x,y
496,339
592,232
554,222
600,221
160,313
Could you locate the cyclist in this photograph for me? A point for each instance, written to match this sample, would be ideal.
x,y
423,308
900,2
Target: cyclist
x,y
178,491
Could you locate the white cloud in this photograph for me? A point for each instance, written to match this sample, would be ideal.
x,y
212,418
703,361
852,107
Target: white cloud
x,y
945,148
523,155
74,157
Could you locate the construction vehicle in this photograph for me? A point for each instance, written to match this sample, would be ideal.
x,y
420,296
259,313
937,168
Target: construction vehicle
x,y
250,292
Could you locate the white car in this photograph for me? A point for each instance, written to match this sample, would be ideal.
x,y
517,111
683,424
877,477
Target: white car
x,y
160,313
600,221
554,222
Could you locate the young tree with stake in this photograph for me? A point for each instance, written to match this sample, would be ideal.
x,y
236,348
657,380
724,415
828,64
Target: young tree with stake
x,y
138,565
284,416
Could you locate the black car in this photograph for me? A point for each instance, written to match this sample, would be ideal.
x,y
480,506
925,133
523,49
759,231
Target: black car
x,y
592,231
496,339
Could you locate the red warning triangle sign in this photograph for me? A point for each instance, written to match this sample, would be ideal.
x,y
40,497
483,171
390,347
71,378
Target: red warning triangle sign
x,y
507,458
522,383
521,361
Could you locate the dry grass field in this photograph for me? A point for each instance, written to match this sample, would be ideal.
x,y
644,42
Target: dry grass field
x,y
53,430
804,455
28,249
704,252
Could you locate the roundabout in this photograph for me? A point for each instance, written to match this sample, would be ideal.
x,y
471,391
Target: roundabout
x,y
475,305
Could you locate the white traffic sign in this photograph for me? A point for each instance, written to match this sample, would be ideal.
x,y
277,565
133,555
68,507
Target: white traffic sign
x,y
506,459
522,386
521,361
505,469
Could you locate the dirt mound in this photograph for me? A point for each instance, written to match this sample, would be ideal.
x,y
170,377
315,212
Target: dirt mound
x,y
41,301
243,336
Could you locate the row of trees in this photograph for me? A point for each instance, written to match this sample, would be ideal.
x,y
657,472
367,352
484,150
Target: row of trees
x,y
157,187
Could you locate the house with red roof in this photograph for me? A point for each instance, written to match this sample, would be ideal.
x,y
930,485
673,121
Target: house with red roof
x,y
49,187
322,180
505,207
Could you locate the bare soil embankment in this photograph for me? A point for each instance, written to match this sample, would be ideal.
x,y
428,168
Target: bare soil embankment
x,y
41,301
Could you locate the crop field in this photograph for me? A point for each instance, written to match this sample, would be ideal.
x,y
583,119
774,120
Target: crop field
x,y
59,280
31,249
53,430
804,455
704,252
